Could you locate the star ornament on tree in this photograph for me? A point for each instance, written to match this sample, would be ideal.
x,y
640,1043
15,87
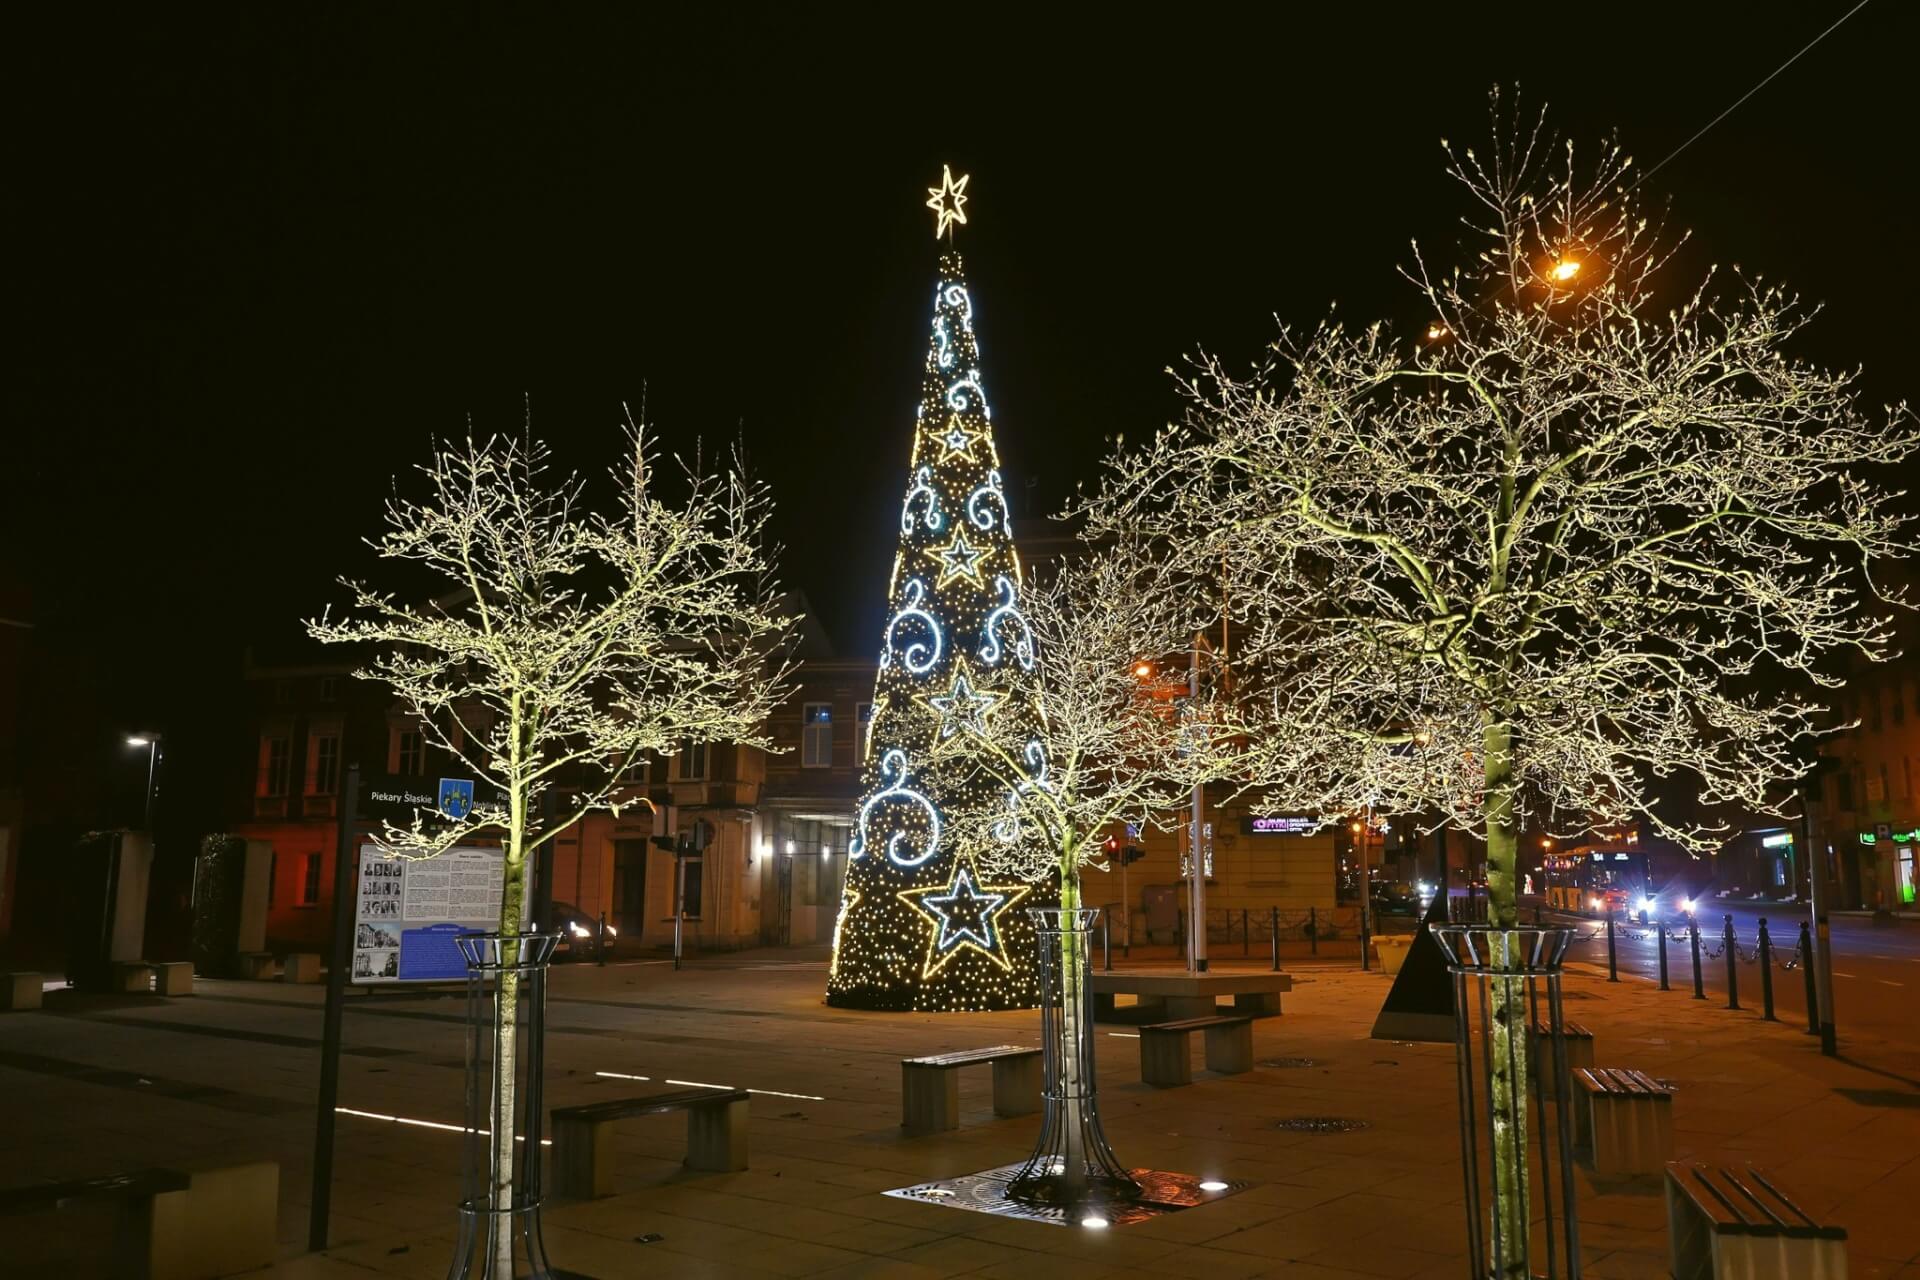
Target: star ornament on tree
x,y
957,439
949,202
958,559
963,915
964,705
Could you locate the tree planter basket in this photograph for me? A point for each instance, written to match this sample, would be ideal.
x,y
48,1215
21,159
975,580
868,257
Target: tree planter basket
x,y
1506,973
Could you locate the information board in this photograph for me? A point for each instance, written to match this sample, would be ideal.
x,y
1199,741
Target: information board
x,y
408,912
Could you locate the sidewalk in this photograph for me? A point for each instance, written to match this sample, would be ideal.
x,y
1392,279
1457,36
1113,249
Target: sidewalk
x,y
118,1085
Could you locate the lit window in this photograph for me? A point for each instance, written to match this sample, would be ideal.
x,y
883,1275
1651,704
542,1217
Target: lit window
x,y
816,736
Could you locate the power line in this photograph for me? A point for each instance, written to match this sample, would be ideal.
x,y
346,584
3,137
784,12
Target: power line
x,y
1749,93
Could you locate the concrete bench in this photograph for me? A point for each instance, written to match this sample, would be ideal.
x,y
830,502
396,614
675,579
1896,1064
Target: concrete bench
x,y
930,1087
172,1224
583,1151
1190,995
1166,1054
1629,1119
301,966
257,965
173,977
22,991
1737,1224
1579,1042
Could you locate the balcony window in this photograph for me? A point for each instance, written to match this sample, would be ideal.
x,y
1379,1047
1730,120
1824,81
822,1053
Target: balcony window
x,y
691,764
409,753
326,764
276,757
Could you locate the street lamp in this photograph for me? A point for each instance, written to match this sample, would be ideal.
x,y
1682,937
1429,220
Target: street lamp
x,y
1565,270
151,741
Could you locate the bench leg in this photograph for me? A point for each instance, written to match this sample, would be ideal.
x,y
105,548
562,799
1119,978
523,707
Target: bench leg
x,y
1016,1085
1631,1136
1739,1257
582,1161
929,1099
1230,1049
1180,1008
717,1137
1689,1236
1166,1059
1261,1004
223,1223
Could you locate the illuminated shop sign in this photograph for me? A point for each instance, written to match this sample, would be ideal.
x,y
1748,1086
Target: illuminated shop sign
x,y
1776,840
1273,826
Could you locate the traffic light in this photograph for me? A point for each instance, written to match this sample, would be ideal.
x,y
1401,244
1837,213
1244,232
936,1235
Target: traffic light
x,y
692,842
1132,853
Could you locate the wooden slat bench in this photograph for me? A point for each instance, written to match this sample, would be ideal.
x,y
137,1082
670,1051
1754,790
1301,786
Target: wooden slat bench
x,y
1166,1053
1579,1041
21,990
583,1150
1737,1224
1190,995
930,1087
1629,1119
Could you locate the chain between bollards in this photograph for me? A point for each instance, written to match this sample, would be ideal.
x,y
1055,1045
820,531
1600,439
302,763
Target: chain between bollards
x,y
1806,968
1661,927
1731,941
1766,973
1613,960
1693,939
1276,938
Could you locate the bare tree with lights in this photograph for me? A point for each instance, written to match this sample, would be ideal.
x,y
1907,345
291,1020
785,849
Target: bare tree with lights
x,y
1106,747
567,647
1588,528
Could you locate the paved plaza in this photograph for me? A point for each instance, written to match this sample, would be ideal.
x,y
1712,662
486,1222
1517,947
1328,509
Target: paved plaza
x,y
100,1086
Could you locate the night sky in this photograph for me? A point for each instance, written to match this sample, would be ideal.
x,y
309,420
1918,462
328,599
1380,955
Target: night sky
x,y
261,255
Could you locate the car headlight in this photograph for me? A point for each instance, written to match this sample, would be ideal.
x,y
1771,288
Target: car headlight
x,y
1649,904
1686,906
611,931
579,930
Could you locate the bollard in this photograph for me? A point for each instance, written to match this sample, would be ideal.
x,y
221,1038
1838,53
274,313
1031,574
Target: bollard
x,y
1366,960
1766,973
1106,934
602,948
1275,920
1613,966
1313,930
1806,969
1246,939
1693,938
1662,926
1733,961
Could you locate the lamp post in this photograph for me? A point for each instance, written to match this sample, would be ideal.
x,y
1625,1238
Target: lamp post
x,y
151,741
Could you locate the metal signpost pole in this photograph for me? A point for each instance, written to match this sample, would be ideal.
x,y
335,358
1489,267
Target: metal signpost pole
x,y
345,855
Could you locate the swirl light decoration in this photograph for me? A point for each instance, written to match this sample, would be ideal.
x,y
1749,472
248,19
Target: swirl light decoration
x,y
917,928
1006,613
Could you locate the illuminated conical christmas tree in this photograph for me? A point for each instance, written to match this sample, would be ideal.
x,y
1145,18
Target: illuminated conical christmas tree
x,y
919,926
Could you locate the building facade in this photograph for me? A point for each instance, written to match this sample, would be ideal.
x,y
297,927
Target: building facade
x,y
1870,810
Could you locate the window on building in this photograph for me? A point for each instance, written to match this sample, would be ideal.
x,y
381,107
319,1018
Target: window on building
x,y
1899,705
409,753
1885,793
1873,710
1906,763
310,882
816,736
863,722
690,887
329,688
276,757
691,764
326,764
1843,792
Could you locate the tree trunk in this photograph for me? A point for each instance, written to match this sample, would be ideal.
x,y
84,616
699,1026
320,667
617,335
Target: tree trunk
x,y
1072,1007
1508,1012
506,1059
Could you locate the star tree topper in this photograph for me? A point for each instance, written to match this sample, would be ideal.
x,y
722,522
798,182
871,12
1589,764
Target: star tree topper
x,y
949,202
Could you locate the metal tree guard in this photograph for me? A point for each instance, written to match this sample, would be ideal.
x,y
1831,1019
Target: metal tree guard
x,y
1519,964
499,1240
1072,1164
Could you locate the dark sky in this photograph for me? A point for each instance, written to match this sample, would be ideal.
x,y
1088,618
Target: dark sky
x,y
260,255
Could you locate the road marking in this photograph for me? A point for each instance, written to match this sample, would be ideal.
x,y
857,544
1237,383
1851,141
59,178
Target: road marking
x,y
1838,974
1890,982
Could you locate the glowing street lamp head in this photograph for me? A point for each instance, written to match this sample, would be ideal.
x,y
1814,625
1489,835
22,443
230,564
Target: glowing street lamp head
x,y
137,741
1142,670
1564,270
